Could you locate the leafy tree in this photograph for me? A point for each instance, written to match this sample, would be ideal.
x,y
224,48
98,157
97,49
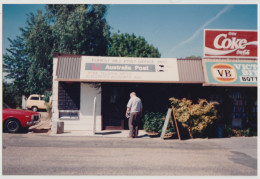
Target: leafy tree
x,y
80,29
16,64
29,57
39,39
74,29
39,45
193,57
125,45
10,95
38,79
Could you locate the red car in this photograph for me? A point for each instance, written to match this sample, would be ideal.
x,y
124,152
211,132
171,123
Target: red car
x,y
14,120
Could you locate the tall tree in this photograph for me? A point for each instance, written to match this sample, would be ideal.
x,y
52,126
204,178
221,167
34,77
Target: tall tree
x,y
80,29
16,64
39,45
74,29
193,57
126,45
39,39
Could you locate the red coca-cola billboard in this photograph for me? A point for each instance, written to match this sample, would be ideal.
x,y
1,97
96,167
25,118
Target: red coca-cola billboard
x,y
230,43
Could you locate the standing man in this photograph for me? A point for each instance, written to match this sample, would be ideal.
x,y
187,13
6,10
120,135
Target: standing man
x,y
135,108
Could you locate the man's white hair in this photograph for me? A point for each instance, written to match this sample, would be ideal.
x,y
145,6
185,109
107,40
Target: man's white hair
x,y
133,94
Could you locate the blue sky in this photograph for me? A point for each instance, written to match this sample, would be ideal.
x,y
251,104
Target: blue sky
x,y
176,30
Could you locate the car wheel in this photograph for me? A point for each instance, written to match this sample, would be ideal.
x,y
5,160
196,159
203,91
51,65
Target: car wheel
x,y
34,108
12,125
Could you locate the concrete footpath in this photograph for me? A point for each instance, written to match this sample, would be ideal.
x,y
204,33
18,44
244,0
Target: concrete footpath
x,y
105,133
44,127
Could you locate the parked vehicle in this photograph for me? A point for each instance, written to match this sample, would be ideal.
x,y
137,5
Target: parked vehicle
x,y
36,102
14,120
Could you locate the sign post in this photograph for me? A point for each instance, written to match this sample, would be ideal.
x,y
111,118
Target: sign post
x,y
176,125
94,115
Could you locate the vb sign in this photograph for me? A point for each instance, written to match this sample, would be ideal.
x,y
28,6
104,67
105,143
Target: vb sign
x,y
227,72
224,72
230,43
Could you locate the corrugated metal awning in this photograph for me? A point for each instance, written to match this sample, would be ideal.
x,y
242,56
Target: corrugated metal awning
x,y
68,67
190,71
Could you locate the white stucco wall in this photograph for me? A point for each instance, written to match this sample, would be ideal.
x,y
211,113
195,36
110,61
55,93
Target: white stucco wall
x,y
86,119
87,95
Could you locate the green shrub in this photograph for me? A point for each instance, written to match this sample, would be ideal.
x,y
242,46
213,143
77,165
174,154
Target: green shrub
x,y
49,109
197,118
47,95
153,122
241,132
48,103
253,132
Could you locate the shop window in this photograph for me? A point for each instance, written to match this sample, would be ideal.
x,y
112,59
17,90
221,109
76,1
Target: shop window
x,y
239,110
69,96
69,114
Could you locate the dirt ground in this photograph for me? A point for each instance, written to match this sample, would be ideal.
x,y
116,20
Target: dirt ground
x,y
44,126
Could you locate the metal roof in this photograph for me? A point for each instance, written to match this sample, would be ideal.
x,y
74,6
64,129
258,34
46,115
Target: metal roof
x,y
68,67
190,70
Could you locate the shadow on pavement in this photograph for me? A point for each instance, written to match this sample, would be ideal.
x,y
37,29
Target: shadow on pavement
x,y
39,130
107,133
141,136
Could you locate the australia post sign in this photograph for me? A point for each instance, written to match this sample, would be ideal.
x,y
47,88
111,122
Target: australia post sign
x,y
230,43
128,69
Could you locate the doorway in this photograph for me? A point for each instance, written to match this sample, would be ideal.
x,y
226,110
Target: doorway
x,y
154,96
114,100
115,96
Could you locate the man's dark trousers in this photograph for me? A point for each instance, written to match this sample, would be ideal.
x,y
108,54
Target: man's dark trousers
x,y
134,123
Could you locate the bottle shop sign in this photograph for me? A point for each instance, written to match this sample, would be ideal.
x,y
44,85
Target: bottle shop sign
x,y
230,73
230,43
